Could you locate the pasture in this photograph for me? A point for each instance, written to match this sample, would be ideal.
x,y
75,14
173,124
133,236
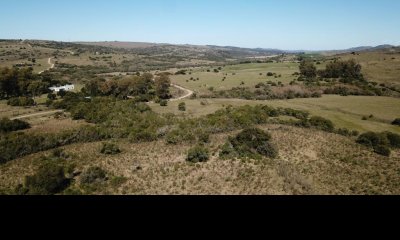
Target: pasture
x,y
345,112
241,75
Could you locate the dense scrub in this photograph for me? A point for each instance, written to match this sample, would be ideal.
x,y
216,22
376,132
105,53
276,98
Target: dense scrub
x,y
251,143
382,143
7,125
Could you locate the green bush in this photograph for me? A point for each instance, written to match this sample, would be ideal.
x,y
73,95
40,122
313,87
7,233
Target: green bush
x,y
182,107
396,122
382,143
163,103
49,179
382,150
93,175
7,125
198,154
371,139
251,142
394,139
110,149
21,102
322,124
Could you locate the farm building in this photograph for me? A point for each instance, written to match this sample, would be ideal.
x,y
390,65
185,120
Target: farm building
x,y
65,88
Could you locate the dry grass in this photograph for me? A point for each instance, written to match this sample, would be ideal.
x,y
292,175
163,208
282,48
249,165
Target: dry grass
x,y
379,66
310,162
10,111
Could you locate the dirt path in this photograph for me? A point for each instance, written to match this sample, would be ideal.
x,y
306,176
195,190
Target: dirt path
x,y
189,93
36,114
51,66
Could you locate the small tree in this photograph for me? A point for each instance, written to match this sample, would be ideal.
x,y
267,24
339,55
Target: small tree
x,y
182,107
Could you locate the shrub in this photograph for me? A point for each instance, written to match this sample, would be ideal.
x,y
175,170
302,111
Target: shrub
x,y
371,139
198,154
163,103
270,74
182,106
267,149
322,124
382,150
51,96
110,149
396,122
21,102
251,142
93,175
7,125
50,179
394,139
204,138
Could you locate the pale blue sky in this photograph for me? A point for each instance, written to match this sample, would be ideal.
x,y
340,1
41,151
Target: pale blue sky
x,y
284,24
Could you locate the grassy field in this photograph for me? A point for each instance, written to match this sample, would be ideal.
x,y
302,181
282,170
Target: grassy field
x,y
235,75
345,112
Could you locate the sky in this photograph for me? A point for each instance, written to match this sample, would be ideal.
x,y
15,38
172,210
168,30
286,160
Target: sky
x,y
282,24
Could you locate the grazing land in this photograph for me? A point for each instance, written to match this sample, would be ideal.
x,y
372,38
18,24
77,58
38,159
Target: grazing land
x,y
148,118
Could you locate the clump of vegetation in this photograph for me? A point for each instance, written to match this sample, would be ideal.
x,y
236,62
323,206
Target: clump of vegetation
x,y
382,143
251,143
198,154
396,122
163,103
48,180
110,149
93,175
182,107
318,123
7,125
21,102
59,153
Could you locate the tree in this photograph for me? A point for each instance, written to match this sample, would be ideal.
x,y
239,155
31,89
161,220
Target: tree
x,y
308,69
51,96
162,86
36,88
62,93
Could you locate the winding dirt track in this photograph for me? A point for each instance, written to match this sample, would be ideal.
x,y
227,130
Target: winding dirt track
x,y
51,66
189,93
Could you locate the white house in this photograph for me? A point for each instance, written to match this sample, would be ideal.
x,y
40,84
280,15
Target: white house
x,y
65,88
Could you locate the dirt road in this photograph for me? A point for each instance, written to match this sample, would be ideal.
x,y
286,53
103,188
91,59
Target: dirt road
x,y
36,114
